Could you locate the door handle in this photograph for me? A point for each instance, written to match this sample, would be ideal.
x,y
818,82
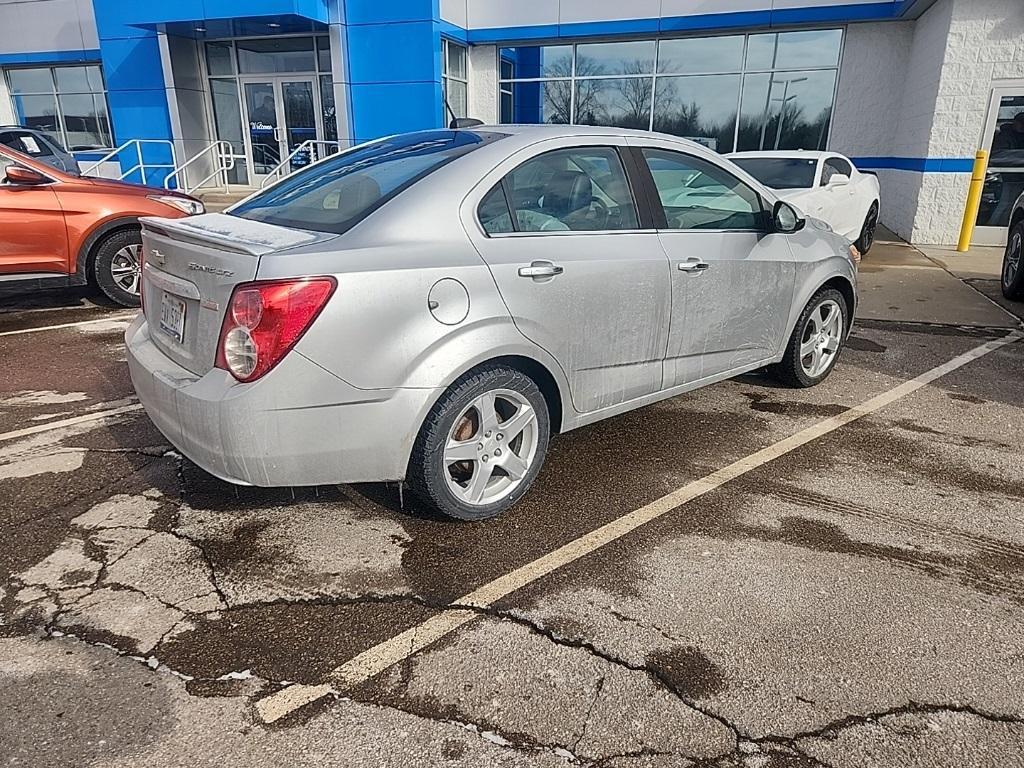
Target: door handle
x,y
693,266
541,269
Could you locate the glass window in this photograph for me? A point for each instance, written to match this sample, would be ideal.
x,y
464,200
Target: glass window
x,y
531,62
583,189
786,110
633,58
835,166
494,213
701,55
276,55
696,194
624,102
323,54
780,93
453,78
26,143
1004,182
5,163
780,172
698,107
67,103
227,117
338,193
220,59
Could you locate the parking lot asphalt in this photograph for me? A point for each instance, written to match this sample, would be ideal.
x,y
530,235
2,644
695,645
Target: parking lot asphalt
x,y
852,597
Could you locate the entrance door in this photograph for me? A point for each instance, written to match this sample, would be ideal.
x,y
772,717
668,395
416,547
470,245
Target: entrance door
x,y
1004,183
282,113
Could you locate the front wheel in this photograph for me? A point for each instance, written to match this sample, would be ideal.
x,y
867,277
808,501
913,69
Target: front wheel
x,y
868,230
482,444
1013,268
117,267
817,340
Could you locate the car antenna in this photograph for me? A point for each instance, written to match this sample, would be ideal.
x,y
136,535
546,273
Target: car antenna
x,y
459,122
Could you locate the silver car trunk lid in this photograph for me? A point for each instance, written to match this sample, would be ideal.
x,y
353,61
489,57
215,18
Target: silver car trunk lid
x,y
191,267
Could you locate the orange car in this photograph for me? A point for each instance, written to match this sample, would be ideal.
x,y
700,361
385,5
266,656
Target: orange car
x,y
71,230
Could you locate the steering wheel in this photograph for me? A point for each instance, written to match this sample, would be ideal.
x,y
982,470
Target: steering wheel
x,y
601,212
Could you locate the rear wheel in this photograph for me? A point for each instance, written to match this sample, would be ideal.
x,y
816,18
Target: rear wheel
x,y
816,342
117,266
1013,264
867,232
482,444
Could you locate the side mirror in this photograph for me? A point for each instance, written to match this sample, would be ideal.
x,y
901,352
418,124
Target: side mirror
x,y
839,180
17,174
785,218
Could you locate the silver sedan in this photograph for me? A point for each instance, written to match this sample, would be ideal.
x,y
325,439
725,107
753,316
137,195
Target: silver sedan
x,y
432,307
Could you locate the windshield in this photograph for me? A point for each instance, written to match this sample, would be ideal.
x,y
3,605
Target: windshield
x,y
335,195
780,172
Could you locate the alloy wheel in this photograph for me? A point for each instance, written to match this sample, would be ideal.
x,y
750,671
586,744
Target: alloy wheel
x,y
870,227
1011,262
491,447
822,338
126,270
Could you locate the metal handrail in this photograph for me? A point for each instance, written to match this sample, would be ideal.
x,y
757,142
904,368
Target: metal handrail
x,y
141,166
309,145
225,161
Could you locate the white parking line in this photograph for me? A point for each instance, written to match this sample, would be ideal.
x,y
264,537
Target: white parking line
x,y
51,425
389,652
106,319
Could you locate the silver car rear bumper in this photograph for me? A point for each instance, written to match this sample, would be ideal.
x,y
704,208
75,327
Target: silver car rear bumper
x,y
299,425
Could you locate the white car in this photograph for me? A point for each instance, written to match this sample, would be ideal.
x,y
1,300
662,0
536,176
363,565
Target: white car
x,y
823,185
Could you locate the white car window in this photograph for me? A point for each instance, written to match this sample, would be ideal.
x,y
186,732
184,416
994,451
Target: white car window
x,y
780,172
833,166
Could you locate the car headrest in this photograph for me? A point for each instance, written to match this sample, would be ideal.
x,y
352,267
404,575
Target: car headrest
x,y
567,191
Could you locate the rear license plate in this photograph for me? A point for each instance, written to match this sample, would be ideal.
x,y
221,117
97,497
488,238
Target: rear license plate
x,y
172,317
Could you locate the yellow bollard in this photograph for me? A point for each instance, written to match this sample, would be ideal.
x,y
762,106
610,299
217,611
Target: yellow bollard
x,y
973,201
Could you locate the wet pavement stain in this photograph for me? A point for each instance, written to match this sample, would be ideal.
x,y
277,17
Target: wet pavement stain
x,y
762,403
687,671
297,642
860,344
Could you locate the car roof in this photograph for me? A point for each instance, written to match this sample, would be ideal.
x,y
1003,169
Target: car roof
x,y
787,154
561,130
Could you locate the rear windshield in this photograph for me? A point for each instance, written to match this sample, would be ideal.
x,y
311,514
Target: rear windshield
x,y
780,172
335,195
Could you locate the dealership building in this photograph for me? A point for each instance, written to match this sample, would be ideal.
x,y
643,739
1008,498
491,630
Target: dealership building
x,y
230,93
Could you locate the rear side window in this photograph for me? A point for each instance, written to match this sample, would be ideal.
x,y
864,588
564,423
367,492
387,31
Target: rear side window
x,y
335,195
26,143
583,189
696,194
834,166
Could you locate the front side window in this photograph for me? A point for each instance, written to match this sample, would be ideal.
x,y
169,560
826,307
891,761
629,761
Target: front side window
x,y
67,103
26,143
780,172
335,195
582,189
696,194
454,79
834,166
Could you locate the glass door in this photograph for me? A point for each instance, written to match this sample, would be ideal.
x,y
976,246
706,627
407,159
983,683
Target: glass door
x,y
1004,182
281,113
262,111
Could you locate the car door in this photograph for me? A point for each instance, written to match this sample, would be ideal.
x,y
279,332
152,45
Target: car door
x,y
841,207
732,280
579,273
33,235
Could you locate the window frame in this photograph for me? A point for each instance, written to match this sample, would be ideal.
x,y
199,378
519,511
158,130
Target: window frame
x,y
56,94
658,208
634,183
825,164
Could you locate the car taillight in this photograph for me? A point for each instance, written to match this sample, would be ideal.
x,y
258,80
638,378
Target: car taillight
x,y
265,319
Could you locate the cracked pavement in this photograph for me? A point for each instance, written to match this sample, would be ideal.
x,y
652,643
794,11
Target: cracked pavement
x,y
856,602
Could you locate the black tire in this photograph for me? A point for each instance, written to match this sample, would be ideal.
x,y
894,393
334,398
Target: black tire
x,y
428,473
867,231
103,262
1012,280
791,370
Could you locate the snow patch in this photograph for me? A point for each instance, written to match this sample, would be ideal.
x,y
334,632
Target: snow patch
x,y
67,460
245,674
42,397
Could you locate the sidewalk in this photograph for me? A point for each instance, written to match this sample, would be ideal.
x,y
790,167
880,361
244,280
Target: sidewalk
x,y
900,282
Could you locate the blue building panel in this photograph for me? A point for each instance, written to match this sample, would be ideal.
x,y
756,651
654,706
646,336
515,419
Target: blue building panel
x,y
377,12
393,52
379,109
131,64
